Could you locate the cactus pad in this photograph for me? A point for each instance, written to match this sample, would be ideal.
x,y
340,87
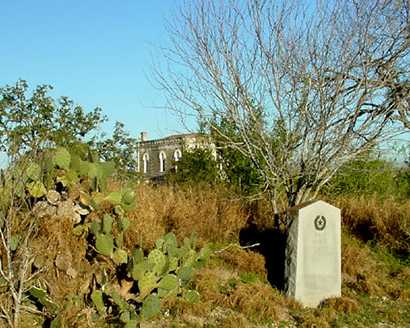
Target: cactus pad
x,y
138,270
120,256
107,223
97,298
137,255
147,283
124,223
114,197
95,227
33,171
169,282
151,307
172,264
185,274
158,259
191,296
62,158
104,244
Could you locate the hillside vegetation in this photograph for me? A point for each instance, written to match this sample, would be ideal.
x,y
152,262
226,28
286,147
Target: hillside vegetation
x,y
82,248
86,242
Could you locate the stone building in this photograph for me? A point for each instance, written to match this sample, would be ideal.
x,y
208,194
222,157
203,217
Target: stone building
x,y
158,156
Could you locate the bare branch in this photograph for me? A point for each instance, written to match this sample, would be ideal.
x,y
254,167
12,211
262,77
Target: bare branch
x,y
306,87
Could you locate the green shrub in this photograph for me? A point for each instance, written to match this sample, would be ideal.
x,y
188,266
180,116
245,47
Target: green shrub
x,y
196,166
370,177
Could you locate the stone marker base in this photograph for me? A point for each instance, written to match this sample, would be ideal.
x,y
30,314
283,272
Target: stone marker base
x,y
313,253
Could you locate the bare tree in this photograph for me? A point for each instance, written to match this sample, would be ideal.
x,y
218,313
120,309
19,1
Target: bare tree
x,y
306,87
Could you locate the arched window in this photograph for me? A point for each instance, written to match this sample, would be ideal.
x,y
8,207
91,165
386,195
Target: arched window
x,y
145,159
162,159
177,155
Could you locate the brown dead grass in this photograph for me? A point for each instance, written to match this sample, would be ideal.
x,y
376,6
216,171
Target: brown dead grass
x,y
359,269
256,301
326,314
363,272
228,302
208,213
387,221
56,239
341,304
244,261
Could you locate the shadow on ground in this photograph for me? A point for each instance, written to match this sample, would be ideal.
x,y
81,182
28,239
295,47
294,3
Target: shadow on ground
x,y
272,247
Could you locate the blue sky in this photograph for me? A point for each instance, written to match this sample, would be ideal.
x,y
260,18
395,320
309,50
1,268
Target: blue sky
x,y
99,53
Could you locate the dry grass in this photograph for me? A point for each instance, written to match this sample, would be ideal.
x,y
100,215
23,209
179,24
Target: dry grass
x,y
57,249
363,272
227,299
243,260
208,213
341,304
385,221
359,269
57,241
229,302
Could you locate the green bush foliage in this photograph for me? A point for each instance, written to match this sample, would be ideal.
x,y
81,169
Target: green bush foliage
x,y
238,170
196,166
121,149
370,176
229,167
31,121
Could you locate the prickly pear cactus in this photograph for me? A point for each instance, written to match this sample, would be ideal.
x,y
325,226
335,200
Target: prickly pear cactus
x,y
172,263
185,274
62,158
137,256
104,244
169,284
33,171
150,307
107,224
120,256
191,296
36,189
97,298
77,176
158,259
124,223
165,271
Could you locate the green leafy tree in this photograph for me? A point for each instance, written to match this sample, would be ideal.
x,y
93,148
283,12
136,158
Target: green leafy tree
x,y
196,166
370,175
120,149
239,170
32,121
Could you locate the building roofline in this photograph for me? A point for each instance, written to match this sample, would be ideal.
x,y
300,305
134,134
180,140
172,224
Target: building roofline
x,y
176,137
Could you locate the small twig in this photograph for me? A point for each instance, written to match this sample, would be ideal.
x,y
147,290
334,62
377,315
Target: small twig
x,y
6,315
31,310
35,274
236,245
